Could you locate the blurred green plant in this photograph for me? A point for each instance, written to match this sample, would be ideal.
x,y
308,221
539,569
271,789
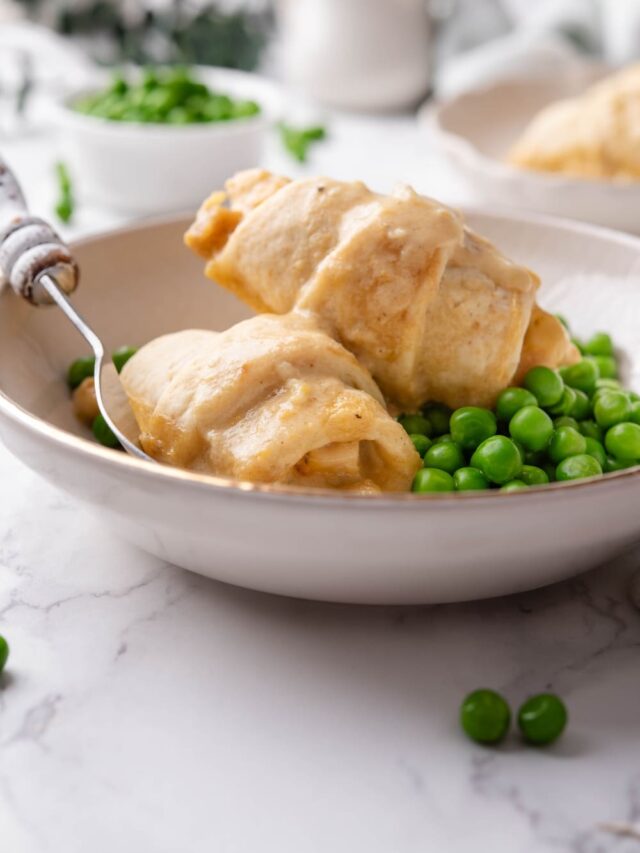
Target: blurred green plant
x,y
65,204
297,140
175,33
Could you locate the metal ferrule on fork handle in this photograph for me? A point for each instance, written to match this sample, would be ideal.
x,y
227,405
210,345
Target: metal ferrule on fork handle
x,y
29,247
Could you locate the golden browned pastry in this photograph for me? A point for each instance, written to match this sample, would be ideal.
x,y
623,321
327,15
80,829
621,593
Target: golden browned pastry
x,y
271,400
546,343
434,311
596,135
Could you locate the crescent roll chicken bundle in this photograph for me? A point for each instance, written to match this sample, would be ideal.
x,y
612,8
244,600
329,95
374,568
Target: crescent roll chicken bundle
x,y
434,311
272,399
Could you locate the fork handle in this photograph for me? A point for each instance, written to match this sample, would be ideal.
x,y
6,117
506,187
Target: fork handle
x,y
29,247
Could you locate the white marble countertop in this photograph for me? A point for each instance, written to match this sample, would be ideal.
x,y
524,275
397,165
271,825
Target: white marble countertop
x,y
148,710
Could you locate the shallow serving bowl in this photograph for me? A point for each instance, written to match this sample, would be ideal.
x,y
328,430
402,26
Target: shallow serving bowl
x,y
139,282
474,131
150,168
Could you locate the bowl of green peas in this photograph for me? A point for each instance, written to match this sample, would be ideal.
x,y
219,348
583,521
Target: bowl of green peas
x,y
543,485
153,140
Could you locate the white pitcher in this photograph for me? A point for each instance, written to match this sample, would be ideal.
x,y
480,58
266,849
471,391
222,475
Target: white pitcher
x,y
357,54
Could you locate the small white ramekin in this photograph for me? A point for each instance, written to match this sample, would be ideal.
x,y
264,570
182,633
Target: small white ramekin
x,y
142,169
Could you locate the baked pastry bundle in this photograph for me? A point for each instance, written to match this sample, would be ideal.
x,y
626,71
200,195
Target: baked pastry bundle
x,y
368,304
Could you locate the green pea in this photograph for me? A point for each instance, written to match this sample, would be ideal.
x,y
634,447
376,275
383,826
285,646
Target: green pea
x,y
566,442
565,403
634,412
443,439
550,470
578,345
498,458
471,425
415,424
103,434
590,429
532,475
617,464
514,486
595,449
565,420
521,450
599,344
611,384
635,398
122,355
532,427
432,480
421,443
542,719
446,455
485,716
610,408
607,365
578,466
4,652
582,375
623,441
80,370
535,458
179,115
244,109
545,384
581,407
513,399
438,415
469,480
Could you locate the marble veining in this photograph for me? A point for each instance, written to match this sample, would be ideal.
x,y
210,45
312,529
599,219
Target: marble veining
x,y
147,709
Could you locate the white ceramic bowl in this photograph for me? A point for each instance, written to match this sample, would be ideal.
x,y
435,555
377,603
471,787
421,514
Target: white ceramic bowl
x,y
150,168
140,282
474,131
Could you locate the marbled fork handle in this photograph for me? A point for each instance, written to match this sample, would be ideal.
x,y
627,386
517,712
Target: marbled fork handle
x,y
29,247
40,268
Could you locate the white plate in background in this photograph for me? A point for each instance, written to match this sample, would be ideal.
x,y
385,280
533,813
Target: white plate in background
x,y
474,131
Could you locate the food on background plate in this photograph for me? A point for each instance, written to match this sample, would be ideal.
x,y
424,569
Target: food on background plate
x,y
595,135
272,399
432,309
383,304
163,96
298,140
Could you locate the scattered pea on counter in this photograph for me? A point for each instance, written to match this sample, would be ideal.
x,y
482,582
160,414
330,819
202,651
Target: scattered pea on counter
x,y
485,717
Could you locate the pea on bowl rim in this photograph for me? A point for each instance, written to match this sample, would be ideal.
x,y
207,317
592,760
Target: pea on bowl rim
x,y
385,500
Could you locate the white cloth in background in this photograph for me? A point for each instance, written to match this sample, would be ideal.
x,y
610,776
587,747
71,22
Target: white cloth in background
x,y
535,39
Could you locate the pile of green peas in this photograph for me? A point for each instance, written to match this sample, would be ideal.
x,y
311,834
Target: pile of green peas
x,y
83,368
163,96
560,425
